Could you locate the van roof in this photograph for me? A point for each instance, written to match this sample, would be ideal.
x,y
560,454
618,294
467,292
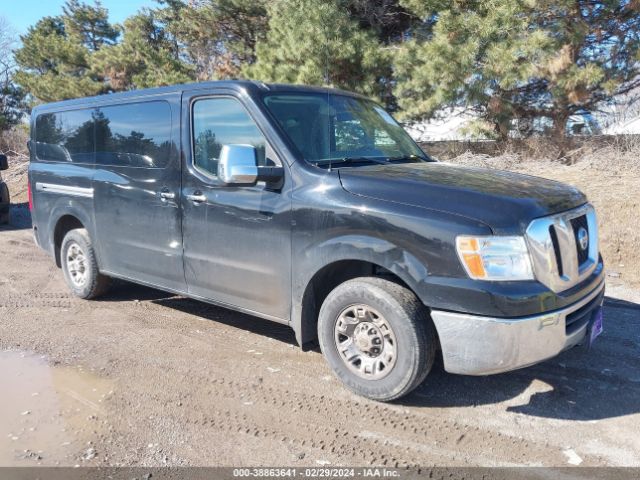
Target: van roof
x,y
247,86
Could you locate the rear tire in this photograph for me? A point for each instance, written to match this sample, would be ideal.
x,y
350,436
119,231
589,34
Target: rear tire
x,y
80,266
377,337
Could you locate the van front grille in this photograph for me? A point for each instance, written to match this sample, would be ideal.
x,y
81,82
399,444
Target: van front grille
x,y
556,248
558,258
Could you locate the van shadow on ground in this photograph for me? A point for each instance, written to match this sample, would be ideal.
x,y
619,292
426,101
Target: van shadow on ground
x,y
124,291
579,384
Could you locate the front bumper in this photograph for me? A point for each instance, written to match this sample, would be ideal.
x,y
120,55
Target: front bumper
x,y
477,345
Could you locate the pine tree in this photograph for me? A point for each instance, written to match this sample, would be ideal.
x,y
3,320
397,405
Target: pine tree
x,y
512,60
89,24
146,57
217,36
317,43
387,18
13,104
54,62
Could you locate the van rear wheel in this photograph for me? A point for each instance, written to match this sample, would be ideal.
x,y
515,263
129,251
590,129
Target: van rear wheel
x,y
377,337
80,266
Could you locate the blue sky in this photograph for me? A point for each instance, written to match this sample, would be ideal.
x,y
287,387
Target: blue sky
x,y
21,14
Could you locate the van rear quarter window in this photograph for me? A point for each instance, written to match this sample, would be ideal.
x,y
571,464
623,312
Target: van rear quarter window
x,y
65,136
130,135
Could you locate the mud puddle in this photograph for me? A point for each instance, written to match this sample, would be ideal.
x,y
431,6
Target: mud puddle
x,y
49,415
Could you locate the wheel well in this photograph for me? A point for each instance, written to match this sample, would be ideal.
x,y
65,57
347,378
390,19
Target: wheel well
x,y
328,278
64,225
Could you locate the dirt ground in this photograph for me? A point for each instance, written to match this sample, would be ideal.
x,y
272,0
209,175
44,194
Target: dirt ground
x,y
141,377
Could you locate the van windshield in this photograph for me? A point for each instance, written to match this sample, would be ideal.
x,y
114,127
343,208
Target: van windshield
x,y
329,128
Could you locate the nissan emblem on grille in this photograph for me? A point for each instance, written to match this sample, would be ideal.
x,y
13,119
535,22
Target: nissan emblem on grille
x,y
583,238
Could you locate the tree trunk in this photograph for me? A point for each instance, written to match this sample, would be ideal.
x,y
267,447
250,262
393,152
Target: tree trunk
x,y
560,126
502,130
559,133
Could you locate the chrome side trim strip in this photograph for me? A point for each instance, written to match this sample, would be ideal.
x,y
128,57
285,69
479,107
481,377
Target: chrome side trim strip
x,y
543,256
64,190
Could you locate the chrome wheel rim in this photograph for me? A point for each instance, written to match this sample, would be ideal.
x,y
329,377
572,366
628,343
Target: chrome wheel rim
x,y
365,342
76,265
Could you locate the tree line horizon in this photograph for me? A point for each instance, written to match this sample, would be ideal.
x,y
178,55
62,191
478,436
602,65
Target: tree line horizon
x,y
511,62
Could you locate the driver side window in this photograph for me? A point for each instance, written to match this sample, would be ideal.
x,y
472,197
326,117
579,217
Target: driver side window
x,y
222,121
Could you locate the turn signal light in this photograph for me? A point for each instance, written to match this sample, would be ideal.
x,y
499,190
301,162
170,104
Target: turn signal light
x,y
495,257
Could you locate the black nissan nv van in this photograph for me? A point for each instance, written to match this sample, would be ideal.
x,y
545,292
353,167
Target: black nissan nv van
x,y
312,207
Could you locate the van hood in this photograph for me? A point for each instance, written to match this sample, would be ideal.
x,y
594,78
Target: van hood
x,y
502,200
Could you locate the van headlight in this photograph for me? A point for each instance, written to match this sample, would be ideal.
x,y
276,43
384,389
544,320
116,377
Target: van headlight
x,y
495,257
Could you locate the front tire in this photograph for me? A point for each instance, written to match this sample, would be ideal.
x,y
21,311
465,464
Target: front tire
x,y
80,266
377,337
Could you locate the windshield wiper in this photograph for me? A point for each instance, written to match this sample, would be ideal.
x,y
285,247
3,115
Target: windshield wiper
x,y
348,160
402,158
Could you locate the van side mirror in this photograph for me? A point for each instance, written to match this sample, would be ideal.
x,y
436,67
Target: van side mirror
x,y
4,163
238,165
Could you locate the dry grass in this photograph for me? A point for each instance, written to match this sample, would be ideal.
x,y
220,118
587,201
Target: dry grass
x,y
610,176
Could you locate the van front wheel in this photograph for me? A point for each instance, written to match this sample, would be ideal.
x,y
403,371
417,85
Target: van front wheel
x,y
377,337
80,267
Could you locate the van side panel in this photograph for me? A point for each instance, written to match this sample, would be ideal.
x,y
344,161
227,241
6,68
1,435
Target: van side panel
x,y
137,191
58,190
115,167
237,241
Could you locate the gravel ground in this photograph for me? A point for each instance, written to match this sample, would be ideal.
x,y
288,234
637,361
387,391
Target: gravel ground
x,y
146,378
